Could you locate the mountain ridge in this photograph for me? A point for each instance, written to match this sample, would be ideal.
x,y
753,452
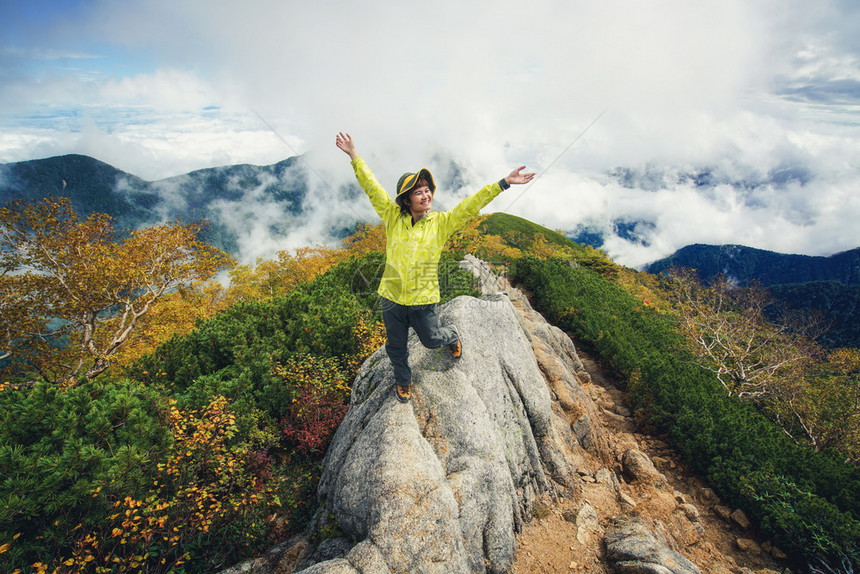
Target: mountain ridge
x,y
824,286
747,264
217,195
91,184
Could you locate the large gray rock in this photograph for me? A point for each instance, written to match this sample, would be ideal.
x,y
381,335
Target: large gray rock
x,y
632,547
443,483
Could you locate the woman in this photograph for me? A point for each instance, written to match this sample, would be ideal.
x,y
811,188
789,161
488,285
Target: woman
x,y
414,239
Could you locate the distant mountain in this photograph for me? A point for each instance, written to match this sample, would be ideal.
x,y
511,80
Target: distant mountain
x,y
92,185
232,198
746,264
629,229
225,196
824,286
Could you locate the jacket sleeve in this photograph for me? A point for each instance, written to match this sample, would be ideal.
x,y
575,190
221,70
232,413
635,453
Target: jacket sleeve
x,y
469,207
379,198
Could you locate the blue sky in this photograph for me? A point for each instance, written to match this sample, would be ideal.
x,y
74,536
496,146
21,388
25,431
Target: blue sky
x,y
744,91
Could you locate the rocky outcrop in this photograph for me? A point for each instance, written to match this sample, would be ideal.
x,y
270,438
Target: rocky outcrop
x,y
638,467
443,483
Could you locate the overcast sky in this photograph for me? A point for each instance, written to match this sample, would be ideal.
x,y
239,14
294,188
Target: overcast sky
x,y
726,121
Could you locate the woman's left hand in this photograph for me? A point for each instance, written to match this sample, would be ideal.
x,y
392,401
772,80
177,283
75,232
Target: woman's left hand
x,y
516,177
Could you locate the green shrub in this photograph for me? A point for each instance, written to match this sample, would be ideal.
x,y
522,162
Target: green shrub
x,y
58,446
513,227
802,521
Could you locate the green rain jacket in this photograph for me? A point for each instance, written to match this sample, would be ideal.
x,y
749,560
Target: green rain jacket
x,y
412,252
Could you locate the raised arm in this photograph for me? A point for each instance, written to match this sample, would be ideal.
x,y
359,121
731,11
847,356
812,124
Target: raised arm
x,y
470,206
379,198
345,143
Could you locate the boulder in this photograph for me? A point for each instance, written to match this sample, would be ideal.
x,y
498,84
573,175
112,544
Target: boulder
x,y
443,483
639,468
282,557
748,545
586,523
723,512
626,501
633,547
685,529
707,496
740,518
691,511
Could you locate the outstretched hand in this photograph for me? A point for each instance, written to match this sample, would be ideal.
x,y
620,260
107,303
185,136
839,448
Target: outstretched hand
x,y
516,177
345,143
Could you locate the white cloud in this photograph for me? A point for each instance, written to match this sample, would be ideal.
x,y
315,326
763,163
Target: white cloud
x,y
743,89
167,90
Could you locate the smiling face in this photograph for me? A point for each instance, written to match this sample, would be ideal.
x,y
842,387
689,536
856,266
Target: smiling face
x,y
420,198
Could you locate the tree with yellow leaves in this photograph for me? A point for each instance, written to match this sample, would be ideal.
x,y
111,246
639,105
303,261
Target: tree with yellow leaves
x,y
752,356
814,396
828,412
275,278
177,313
368,238
64,281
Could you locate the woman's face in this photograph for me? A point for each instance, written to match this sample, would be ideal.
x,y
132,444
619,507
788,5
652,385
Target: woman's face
x,y
420,199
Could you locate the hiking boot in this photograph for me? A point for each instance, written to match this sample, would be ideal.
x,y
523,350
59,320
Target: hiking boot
x,y
402,393
456,349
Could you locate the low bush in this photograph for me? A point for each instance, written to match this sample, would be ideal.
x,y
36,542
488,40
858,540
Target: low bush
x,y
58,446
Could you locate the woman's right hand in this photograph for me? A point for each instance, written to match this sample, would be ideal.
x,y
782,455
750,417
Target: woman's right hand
x,y
345,143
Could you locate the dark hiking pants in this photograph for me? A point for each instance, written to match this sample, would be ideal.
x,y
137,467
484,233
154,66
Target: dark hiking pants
x,y
424,320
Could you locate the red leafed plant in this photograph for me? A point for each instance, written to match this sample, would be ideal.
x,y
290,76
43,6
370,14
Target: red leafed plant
x,y
319,402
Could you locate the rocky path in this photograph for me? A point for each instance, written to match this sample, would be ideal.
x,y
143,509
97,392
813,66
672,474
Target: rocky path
x,y
567,534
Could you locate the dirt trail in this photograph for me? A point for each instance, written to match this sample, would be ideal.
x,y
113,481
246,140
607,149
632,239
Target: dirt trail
x,y
553,542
